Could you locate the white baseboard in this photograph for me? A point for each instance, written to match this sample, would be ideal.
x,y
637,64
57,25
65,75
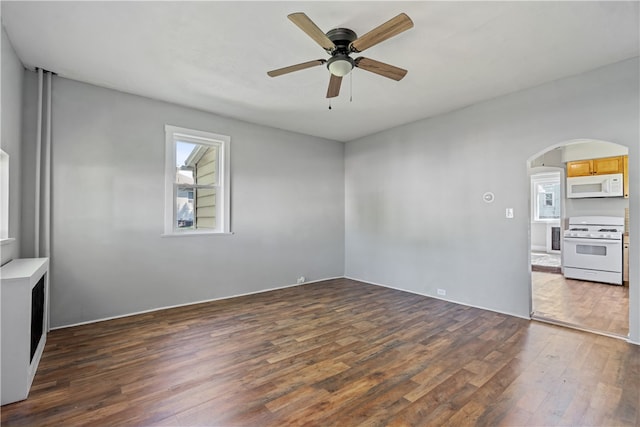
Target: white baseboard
x,y
630,341
440,298
88,322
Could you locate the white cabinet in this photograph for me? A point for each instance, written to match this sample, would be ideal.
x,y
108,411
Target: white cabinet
x,y
25,321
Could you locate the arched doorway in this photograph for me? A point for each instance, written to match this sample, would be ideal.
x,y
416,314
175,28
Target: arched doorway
x,y
587,302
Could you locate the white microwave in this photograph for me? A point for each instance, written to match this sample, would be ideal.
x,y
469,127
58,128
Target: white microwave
x,y
595,186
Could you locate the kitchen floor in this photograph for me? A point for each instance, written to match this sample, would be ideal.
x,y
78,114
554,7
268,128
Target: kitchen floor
x,y
589,305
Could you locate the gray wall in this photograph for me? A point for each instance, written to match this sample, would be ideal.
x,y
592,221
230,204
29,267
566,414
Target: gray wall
x,y
12,78
612,206
410,199
108,190
415,218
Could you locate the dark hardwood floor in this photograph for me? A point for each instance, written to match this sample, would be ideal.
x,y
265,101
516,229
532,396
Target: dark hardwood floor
x,y
335,353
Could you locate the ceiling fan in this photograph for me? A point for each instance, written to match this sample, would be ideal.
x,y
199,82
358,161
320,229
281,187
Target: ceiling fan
x,y
341,42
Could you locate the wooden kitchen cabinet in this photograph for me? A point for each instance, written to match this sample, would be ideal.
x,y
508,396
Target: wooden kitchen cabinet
x,y
608,165
580,168
603,166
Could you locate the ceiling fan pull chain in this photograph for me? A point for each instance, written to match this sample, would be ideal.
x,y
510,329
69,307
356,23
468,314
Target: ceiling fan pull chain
x,y
350,87
329,104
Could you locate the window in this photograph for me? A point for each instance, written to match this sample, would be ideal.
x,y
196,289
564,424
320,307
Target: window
x,y
545,196
196,182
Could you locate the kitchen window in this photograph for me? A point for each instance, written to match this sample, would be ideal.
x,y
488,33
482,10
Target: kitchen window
x,y
197,199
545,196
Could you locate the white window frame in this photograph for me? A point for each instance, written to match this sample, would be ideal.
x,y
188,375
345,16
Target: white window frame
x,y
173,134
544,178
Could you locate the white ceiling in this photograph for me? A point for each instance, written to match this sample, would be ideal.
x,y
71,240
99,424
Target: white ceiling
x,y
214,55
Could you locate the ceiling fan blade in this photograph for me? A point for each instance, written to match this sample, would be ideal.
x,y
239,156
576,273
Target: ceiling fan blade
x,y
380,68
391,28
334,86
297,67
312,30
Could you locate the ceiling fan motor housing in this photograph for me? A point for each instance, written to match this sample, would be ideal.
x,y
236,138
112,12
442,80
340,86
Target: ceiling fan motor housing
x,y
342,38
340,62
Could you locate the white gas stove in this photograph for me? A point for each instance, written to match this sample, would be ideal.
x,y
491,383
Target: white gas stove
x,y
595,227
593,249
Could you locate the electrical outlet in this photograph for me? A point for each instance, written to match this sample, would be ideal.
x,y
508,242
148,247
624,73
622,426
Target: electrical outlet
x,y
442,292
301,280
509,213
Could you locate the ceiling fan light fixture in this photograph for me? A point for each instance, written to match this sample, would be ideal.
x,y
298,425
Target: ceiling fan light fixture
x,y
340,65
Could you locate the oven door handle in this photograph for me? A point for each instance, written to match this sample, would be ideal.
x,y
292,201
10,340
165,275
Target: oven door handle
x,y
592,241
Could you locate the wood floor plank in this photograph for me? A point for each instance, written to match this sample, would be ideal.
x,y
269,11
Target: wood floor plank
x,y
340,353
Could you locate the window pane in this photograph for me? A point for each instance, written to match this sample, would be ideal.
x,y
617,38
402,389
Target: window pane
x,y
184,172
196,164
547,200
195,208
184,208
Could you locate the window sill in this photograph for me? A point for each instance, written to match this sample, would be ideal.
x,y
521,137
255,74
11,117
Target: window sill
x,y
7,241
546,221
196,233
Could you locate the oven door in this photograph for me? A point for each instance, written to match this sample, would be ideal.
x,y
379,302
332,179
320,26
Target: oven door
x,y
593,254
